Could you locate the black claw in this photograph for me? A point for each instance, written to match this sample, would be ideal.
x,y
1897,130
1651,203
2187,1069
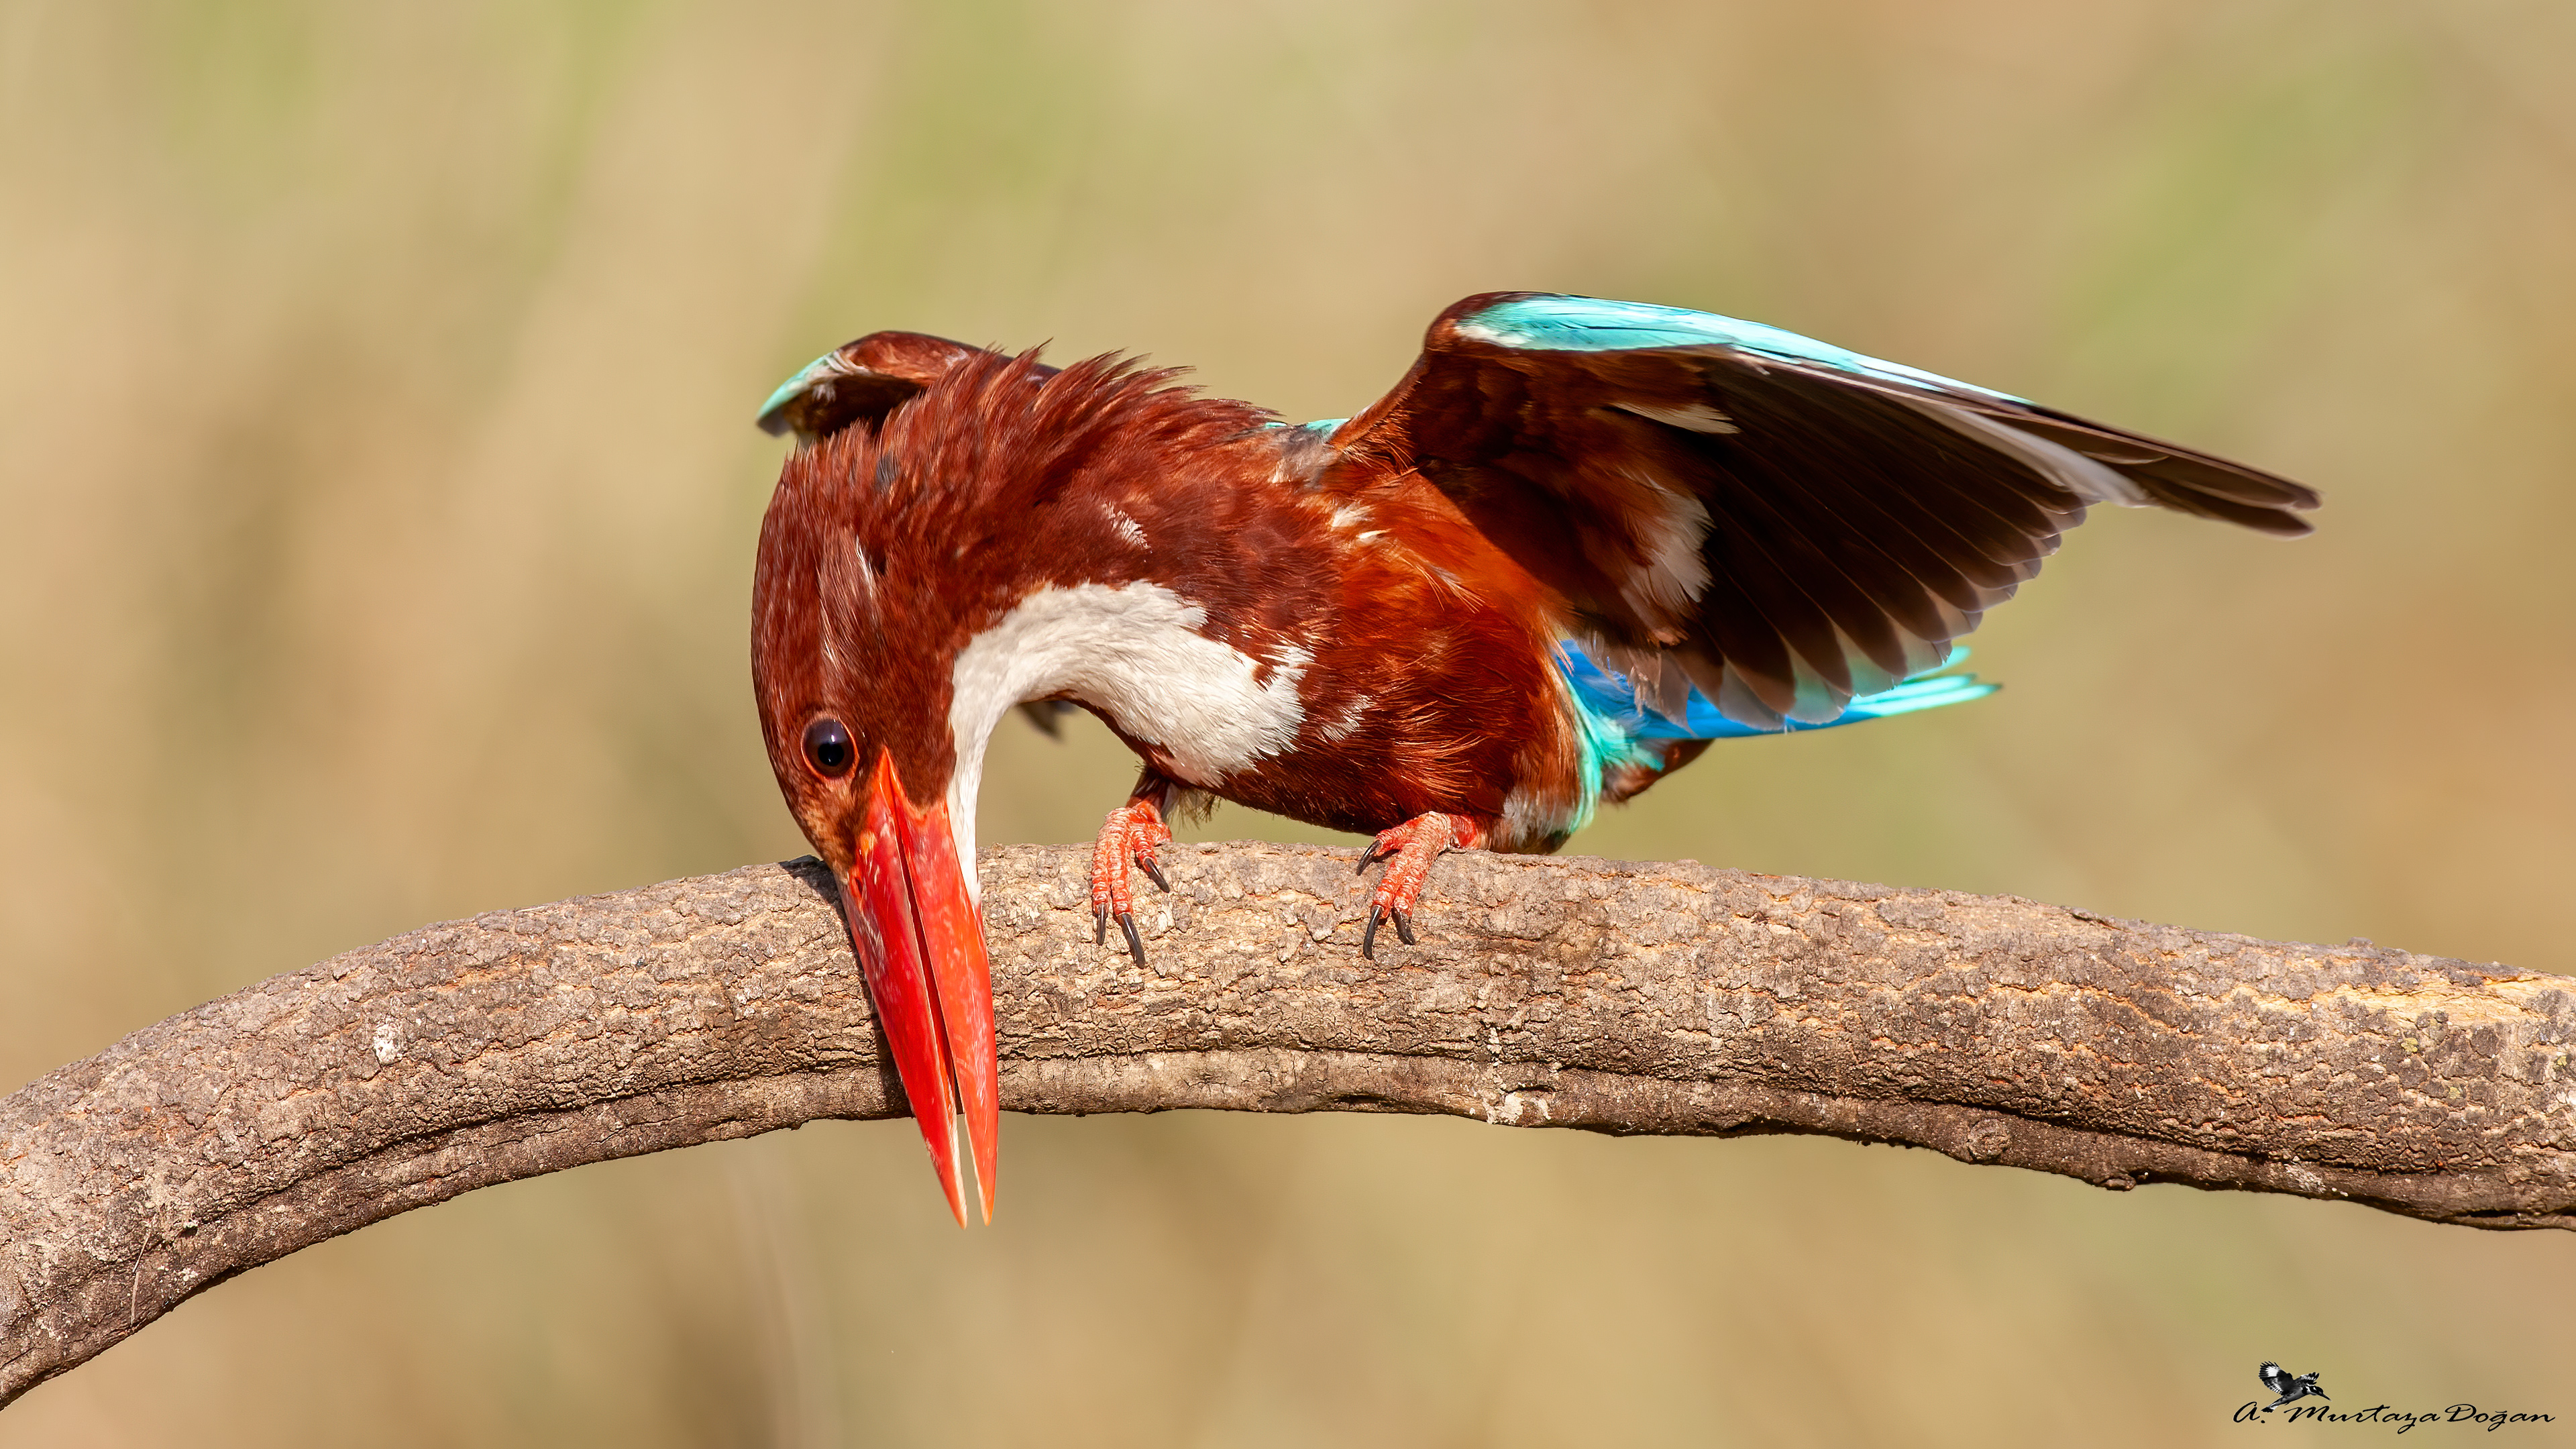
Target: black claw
x,y
1404,927
1100,926
1366,860
1135,943
1368,938
1154,872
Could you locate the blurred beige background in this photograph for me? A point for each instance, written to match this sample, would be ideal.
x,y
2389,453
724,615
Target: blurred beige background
x,y
377,495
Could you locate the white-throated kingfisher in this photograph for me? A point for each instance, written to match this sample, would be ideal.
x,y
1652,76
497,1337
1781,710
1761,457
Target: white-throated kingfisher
x,y
1577,542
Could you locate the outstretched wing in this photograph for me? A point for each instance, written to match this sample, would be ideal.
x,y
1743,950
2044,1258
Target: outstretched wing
x,y
1779,521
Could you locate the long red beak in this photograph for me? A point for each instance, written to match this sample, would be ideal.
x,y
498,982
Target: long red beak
x,y
922,947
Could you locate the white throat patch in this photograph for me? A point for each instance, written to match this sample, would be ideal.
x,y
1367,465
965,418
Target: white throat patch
x,y
1134,653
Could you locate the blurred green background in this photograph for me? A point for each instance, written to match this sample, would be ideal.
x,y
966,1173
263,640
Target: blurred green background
x,y
375,386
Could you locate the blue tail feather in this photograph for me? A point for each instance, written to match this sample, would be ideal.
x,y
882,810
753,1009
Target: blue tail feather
x,y
1609,698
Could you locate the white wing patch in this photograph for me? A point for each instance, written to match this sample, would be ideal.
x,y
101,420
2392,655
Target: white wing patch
x,y
1689,417
1134,653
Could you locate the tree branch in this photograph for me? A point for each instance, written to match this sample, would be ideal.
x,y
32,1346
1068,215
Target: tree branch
x,y
1623,998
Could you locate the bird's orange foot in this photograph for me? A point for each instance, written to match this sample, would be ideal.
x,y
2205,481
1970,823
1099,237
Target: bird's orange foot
x,y
1408,850
1133,832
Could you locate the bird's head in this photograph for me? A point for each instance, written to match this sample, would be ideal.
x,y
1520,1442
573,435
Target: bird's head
x,y
855,623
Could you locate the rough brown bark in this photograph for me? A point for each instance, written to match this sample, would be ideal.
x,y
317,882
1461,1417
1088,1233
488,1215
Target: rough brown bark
x,y
1569,993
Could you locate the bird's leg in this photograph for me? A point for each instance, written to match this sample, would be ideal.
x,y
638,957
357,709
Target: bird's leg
x,y
1408,851
1131,835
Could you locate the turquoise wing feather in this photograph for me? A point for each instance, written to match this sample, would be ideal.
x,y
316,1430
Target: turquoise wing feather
x,y
1592,324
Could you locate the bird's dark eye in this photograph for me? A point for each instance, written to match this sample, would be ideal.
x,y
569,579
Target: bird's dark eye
x,y
828,748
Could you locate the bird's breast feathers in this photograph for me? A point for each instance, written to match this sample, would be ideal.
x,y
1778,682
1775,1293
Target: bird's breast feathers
x,y
1138,653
